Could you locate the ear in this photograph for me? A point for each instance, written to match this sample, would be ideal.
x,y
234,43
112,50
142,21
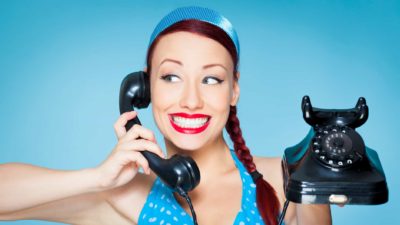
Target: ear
x,y
145,69
236,89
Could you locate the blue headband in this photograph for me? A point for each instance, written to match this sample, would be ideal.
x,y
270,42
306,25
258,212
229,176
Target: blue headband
x,y
197,13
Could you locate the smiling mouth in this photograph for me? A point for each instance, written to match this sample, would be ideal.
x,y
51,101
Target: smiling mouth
x,y
189,124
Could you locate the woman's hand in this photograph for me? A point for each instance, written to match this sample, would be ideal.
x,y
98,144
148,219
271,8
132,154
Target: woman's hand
x,y
313,214
123,163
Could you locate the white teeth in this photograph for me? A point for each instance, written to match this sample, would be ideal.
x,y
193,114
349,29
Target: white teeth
x,y
189,123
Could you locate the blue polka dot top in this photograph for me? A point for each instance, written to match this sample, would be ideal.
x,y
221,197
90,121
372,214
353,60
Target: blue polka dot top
x,y
161,207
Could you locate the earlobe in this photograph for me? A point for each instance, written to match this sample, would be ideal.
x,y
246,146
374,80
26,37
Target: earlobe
x,y
236,90
235,97
237,76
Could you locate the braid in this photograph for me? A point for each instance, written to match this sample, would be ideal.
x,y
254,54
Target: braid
x,y
241,150
267,201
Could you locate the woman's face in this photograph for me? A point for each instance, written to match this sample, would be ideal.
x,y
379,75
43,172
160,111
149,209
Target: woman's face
x,y
192,88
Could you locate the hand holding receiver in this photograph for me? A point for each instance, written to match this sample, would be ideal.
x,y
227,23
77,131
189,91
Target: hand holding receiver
x,y
123,163
179,172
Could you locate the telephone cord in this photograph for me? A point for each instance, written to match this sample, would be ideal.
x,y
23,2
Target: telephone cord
x,y
186,196
283,212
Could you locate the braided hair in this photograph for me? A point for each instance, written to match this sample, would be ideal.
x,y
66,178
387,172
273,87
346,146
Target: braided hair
x,y
267,201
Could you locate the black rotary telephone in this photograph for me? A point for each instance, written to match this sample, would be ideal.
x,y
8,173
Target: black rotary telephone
x,y
180,173
332,165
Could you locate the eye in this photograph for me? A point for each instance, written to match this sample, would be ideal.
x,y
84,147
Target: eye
x,y
170,78
212,80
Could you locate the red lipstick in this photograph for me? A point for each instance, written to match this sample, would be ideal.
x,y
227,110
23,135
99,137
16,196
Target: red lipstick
x,y
189,130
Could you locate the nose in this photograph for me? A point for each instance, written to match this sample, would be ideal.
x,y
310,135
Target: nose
x,y
191,97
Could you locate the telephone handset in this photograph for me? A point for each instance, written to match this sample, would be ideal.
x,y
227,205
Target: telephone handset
x,y
332,164
180,173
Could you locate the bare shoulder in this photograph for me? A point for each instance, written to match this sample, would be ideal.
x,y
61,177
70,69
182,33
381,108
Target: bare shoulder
x,y
130,198
271,169
267,162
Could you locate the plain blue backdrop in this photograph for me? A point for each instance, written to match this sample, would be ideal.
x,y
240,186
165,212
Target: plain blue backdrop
x,y
61,64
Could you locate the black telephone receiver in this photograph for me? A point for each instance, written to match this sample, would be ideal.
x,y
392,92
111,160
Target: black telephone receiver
x,y
332,164
179,172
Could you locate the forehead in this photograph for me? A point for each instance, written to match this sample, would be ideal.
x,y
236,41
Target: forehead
x,y
191,48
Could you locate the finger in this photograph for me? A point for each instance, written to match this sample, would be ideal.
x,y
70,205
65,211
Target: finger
x,y
142,145
119,125
139,131
137,158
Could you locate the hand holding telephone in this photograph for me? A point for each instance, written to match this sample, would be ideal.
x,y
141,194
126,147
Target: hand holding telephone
x,y
180,173
332,164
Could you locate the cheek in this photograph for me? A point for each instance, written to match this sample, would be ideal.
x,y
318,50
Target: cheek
x,y
218,97
218,102
162,94
162,99
157,100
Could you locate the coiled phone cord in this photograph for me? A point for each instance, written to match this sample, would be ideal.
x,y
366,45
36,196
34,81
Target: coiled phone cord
x,y
183,193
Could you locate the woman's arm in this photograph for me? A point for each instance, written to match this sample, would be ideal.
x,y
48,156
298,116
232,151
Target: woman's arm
x,y
33,192
89,209
23,186
313,214
98,207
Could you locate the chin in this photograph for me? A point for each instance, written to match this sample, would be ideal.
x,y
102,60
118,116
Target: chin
x,y
188,144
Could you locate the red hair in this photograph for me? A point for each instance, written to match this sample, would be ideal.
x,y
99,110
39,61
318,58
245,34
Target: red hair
x,y
267,201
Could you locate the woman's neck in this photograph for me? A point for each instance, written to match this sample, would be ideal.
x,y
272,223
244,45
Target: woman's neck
x,y
213,159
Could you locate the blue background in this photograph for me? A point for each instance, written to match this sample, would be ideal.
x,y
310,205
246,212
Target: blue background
x,y
61,64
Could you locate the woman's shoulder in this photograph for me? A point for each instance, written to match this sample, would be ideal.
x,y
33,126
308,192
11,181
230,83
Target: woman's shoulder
x,y
130,198
267,161
269,166
271,169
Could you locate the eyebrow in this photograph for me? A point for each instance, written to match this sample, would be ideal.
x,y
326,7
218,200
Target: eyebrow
x,y
181,64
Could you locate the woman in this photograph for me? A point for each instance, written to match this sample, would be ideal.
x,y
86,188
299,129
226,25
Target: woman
x,y
192,62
